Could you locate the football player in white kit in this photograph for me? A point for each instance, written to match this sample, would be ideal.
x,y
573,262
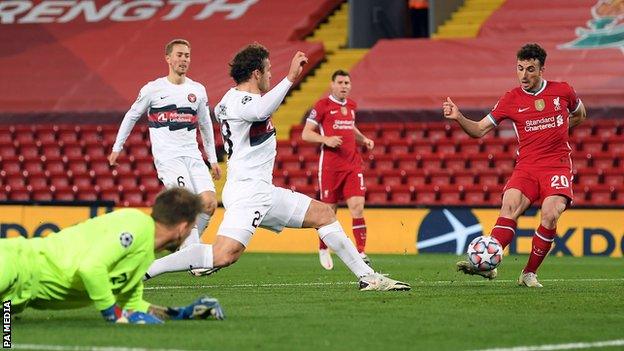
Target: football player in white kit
x,y
249,197
175,106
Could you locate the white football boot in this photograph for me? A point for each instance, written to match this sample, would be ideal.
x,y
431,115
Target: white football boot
x,y
200,272
326,259
380,282
467,268
529,279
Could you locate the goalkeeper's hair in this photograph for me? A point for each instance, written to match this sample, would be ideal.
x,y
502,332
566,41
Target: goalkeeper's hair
x,y
249,59
169,46
175,206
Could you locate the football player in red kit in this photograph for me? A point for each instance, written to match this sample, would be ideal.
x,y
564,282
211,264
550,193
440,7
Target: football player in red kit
x,y
542,112
340,162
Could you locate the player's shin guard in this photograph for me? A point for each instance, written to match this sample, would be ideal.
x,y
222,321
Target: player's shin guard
x,y
542,241
334,236
504,230
359,233
191,257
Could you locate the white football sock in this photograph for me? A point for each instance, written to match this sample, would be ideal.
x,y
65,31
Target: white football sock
x,y
190,257
193,238
335,238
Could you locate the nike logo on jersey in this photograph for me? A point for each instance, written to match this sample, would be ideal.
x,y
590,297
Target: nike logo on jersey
x,y
333,112
523,109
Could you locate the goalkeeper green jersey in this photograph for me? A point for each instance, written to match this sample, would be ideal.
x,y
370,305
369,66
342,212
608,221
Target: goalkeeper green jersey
x,y
100,261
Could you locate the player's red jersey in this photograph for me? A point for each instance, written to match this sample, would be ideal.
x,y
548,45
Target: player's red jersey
x,y
541,122
337,118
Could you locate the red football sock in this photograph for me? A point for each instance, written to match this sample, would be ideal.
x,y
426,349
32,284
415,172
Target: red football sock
x,y
359,233
322,245
542,241
504,230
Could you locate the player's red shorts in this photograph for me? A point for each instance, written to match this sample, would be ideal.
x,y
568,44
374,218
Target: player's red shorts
x,y
339,185
539,184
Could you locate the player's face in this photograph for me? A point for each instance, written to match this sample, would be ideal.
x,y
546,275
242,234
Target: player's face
x,y
341,87
264,78
179,59
529,74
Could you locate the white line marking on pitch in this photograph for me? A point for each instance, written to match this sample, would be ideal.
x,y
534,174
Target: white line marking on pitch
x,y
82,348
420,283
570,346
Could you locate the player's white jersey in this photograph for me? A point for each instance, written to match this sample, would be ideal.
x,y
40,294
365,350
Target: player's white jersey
x,y
248,133
174,112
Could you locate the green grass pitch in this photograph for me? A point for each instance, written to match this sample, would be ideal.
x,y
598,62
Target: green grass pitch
x,y
288,302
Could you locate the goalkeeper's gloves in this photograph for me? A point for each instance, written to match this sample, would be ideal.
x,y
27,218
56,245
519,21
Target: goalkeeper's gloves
x,y
202,308
115,314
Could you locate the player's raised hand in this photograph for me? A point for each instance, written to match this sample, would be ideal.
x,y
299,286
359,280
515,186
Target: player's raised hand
x,y
215,170
450,109
296,66
112,158
333,141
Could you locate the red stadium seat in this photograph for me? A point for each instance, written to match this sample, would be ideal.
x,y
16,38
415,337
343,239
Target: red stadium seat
x,y
86,196
6,137
371,177
416,177
402,195
431,163
33,166
480,162
465,178
423,148
391,131
124,166
105,183
306,149
8,151
446,147
377,195
593,144
64,194
589,177
471,146
386,162
90,134
19,194
78,167
604,160
450,195
109,195
73,151
393,177
12,165
42,195
285,147
581,160
46,136
370,130
399,147
68,136
298,178
455,162
150,197
59,181
489,177
145,166
15,181
29,151
504,164
582,131
601,195
438,131
311,163
613,177
474,195
616,144
495,146
607,128
290,162
440,177
38,182
100,167
82,181
24,135
150,183
280,181
51,151
425,195
132,198
96,151
379,149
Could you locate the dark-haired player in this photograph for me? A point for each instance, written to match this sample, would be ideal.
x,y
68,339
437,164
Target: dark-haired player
x,y
542,112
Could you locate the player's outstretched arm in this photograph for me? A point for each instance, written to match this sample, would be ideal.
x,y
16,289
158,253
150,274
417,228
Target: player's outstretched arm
x,y
472,128
135,112
202,308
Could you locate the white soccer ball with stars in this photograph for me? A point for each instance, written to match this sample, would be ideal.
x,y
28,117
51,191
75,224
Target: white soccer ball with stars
x,y
485,253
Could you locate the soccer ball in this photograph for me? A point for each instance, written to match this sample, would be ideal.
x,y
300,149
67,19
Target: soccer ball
x,y
485,253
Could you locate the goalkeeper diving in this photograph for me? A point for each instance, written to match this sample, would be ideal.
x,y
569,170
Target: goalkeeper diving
x,y
102,262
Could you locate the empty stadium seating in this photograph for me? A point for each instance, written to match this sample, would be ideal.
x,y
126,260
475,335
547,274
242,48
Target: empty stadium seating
x,y
400,171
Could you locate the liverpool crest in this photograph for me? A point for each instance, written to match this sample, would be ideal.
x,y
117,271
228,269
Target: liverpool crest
x,y
605,30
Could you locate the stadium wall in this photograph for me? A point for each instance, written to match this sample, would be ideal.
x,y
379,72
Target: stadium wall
x,y
582,232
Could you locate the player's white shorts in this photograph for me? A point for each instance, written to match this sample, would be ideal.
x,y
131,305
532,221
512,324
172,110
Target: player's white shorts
x,y
186,172
252,203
